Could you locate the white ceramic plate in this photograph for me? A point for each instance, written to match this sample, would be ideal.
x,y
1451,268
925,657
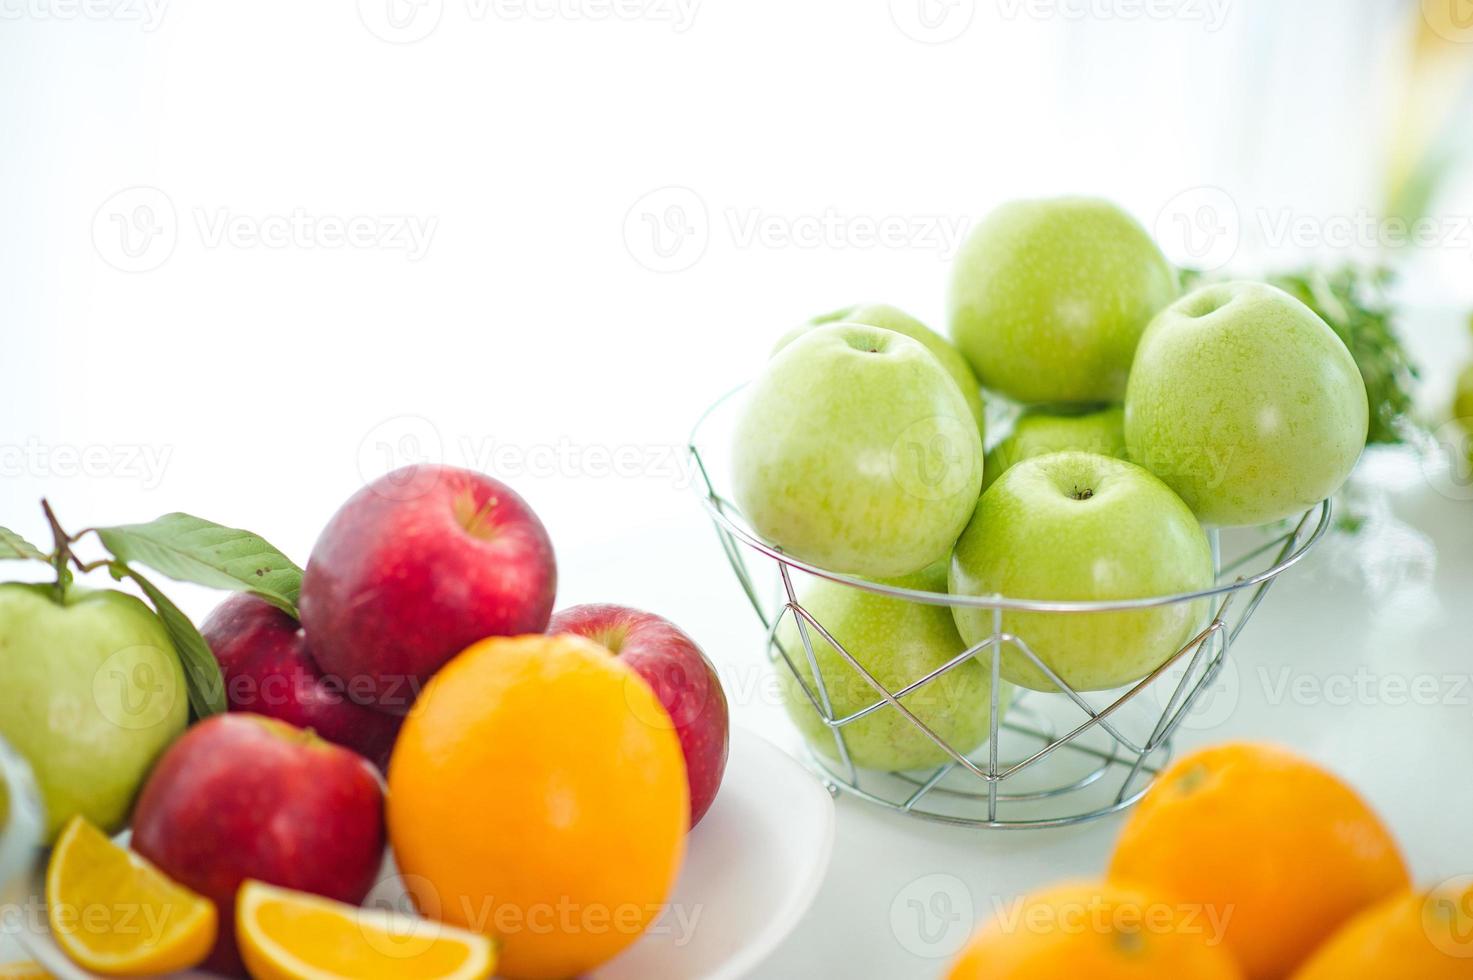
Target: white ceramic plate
x,y
752,869
754,865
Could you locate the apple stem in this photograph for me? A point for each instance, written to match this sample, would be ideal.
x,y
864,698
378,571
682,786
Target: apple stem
x,y
474,525
62,554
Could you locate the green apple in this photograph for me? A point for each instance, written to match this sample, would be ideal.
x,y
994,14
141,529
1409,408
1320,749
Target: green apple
x,y
1038,432
855,451
1245,403
890,318
1048,298
91,692
899,642
1080,526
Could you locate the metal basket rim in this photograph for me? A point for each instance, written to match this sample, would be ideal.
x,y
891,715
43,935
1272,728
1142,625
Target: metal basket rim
x,y
715,505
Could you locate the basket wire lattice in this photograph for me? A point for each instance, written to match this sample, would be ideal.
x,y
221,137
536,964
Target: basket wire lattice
x,y
1050,760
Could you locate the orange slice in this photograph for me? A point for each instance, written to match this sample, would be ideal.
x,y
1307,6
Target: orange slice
x,y
113,912
290,935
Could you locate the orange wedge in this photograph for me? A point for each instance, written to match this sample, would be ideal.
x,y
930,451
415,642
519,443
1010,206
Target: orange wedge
x,y
290,935
113,912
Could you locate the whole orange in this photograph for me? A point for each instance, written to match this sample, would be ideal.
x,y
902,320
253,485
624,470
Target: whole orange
x,y
1097,930
1284,847
537,793
1424,934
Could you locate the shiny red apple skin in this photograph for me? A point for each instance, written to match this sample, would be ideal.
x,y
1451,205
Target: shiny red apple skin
x,y
243,796
681,676
414,568
269,670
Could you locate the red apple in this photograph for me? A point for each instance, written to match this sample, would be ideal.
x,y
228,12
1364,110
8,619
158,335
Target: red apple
x,y
243,796
681,676
268,669
414,568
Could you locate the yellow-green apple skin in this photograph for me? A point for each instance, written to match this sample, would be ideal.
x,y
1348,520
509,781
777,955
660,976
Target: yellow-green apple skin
x,y
1246,404
1049,297
856,452
890,318
1038,432
1463,404
92,693
1080,526
899,642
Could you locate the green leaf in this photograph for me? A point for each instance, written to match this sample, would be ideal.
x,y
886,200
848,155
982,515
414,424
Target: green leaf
x,y
202,677
13,546
191,549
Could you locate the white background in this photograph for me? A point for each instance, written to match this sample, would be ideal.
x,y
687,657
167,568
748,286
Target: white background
x,y
621,206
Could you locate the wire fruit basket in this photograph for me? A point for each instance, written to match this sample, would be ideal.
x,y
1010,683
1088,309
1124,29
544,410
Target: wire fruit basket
x,y
1051,759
